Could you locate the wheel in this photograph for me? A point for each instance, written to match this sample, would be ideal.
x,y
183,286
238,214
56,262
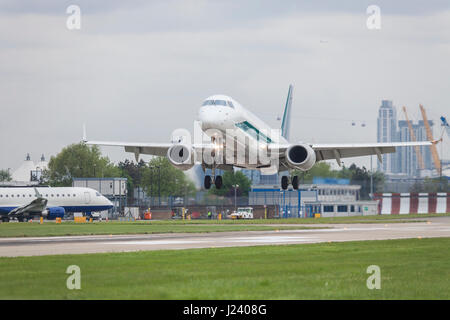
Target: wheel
x,y
218,182
284,182
20,219
207,182
295,182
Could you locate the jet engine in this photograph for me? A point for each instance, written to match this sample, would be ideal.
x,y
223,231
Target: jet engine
x,y
181,156
300,156
54,212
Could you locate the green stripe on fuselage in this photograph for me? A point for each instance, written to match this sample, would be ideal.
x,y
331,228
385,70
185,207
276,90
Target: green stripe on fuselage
x,y
253,131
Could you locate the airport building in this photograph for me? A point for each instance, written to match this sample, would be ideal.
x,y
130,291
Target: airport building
x,y
328,200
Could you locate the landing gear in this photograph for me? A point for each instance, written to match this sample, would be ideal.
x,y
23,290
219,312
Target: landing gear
x,y
5,219
218,182
295,182
207,182
285,182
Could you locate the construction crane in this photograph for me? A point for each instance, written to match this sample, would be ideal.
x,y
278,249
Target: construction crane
x,y
446,125
413,138
434,153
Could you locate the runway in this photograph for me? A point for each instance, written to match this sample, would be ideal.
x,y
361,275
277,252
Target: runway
x,y
13,247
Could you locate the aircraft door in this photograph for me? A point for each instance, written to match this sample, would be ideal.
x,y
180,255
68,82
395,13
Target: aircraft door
x,y
87,197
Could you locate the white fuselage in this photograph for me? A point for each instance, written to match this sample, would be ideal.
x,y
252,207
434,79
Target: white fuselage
x,y
71,199
222,114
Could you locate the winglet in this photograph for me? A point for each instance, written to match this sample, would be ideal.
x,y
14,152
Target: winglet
x,y
84,133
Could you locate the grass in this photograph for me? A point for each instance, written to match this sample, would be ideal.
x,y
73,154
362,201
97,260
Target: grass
x,y
179,226
410,269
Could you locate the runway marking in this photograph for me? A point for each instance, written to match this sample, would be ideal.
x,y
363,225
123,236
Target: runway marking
x,y
155,242
271,239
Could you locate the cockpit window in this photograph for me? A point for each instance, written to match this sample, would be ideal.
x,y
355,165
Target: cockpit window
x,y
97,194
218,103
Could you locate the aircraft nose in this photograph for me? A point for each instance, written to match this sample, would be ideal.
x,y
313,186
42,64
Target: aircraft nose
x,y
210,117
108,202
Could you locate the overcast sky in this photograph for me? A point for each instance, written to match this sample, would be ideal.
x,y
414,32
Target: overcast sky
x,y
137,70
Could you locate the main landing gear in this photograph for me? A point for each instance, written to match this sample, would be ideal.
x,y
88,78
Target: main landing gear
x,y
285,182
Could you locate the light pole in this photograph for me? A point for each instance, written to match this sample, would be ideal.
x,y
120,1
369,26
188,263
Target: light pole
x,y
371,178
235,188
159,181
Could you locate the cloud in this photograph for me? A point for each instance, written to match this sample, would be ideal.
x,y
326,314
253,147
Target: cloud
x,y
136,79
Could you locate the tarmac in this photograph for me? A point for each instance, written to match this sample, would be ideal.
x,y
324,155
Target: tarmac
x,y
38,246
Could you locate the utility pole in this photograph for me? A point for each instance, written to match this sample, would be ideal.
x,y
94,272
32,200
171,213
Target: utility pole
x,y
371,178
235,203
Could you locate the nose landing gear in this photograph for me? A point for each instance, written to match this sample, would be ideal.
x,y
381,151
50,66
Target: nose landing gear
x,y
218,182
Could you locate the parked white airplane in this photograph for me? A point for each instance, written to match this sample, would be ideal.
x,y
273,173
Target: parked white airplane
x,y
25,202
221,115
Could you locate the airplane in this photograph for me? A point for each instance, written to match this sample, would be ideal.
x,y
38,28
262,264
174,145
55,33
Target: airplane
x,y
25,202
220,114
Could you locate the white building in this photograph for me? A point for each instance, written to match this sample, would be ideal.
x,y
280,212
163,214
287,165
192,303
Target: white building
x,y
29,172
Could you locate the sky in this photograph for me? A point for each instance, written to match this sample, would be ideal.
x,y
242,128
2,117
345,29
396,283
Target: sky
x,y
138,70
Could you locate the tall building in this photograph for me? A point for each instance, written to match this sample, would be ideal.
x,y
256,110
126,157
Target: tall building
x,y
387,132
404,160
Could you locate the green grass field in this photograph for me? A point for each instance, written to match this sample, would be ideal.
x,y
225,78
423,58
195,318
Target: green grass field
x,y
410,269
177,226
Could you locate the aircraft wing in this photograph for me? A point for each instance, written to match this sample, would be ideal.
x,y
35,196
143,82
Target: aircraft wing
x,y
338,151
154,149
37,205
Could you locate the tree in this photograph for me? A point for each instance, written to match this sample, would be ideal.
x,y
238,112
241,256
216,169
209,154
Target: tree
x,y
133,172
320,169
231,178
80,161
5,175
159,177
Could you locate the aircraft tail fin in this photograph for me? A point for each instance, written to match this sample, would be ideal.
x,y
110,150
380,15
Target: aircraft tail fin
x,y
286,123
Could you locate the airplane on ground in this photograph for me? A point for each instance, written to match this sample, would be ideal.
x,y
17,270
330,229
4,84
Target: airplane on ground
x,y
222,117
26,202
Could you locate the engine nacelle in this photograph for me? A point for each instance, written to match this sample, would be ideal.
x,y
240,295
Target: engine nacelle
x,y
300,156
54,212
181,156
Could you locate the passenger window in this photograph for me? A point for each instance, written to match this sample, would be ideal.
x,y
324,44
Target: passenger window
x,y
74,195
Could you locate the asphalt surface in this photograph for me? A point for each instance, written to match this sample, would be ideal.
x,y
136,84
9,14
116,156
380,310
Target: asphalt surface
x,y
13,247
